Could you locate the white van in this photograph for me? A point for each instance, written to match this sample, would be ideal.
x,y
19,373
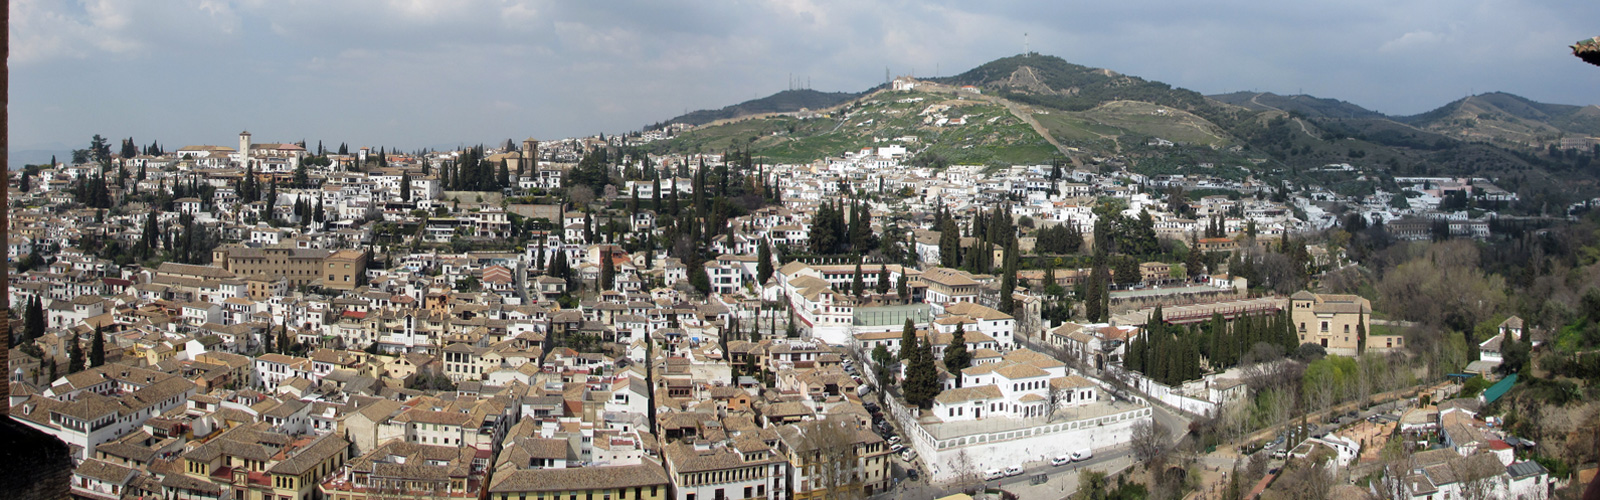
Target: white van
x,y
1083,454
993,474
1015,470
1061,460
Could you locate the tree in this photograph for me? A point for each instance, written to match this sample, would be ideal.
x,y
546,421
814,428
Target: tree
x,y
1097,296
1514,355
1008,282
1149,439
97,349
607,271
902,290
882,358
949,244
763,263
908,339
405,186
75,359
33,320
921,383
883,279
1127,271
956,357
857,285
828,450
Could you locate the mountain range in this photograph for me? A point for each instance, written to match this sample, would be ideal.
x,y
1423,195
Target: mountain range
x,y
1039,108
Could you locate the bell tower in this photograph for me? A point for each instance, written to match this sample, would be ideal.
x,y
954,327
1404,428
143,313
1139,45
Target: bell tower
x,y
244,149
530,155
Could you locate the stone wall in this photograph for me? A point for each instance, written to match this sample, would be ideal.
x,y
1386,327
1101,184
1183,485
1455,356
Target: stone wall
x,y
38,465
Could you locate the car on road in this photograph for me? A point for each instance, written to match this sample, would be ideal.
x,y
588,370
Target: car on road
x,y
871,407
913,475
894,439
895,448
1083,454
993,474
1061,460
909,455
1015,470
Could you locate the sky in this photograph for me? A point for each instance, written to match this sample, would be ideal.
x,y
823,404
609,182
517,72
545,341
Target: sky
x,y
409,74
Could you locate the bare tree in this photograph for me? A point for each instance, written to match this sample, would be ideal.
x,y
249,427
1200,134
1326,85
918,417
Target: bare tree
x,y
580,195
1309,479
829,450
1054,399
1149,439
1481,475
1398,464
966,472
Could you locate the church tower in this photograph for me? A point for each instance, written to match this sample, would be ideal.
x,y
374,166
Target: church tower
x,y
530,155
244,149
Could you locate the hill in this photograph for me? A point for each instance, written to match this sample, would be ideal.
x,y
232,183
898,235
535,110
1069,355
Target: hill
x,y
1031,108
1507,118
787,101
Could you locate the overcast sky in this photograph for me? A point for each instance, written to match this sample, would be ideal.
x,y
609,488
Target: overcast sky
x,y
415,73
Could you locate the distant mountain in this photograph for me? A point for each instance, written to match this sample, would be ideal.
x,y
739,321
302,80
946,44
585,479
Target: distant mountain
x,y
1498,116
1307,106
787,101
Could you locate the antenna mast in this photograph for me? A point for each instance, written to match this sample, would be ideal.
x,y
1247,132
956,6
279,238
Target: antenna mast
x,y
1024,45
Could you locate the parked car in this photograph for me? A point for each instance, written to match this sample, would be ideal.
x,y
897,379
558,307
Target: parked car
x,y
1015,470
1083,454
909,455
1061,460
993,474
871,407
896,447
912,474
894,440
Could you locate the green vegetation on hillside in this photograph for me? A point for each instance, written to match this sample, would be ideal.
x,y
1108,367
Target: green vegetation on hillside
x,y
1099,113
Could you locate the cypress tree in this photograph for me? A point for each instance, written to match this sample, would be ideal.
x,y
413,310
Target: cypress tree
x,y
763,263
607,271
949,244
922,378
33,319
956,357
655,195
75,361
883,279
908,339
405,186
905,292
97,349
857,285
